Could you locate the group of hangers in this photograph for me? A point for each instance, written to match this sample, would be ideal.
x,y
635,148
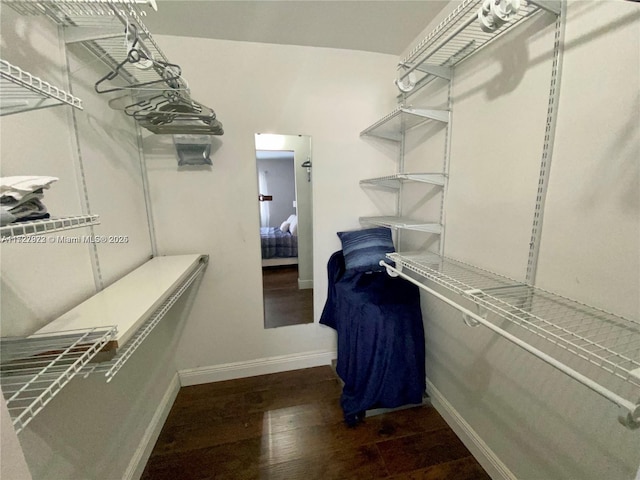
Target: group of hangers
x,y
162,105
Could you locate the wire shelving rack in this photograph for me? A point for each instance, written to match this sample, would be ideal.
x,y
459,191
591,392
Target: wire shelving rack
x,y
544,323
35,369
21,91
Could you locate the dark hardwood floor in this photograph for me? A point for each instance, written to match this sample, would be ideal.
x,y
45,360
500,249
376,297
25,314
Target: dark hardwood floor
x,y
284,303
289,426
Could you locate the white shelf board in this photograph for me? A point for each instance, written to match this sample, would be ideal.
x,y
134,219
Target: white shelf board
x,y
113,365
50,225
402,223
395,181
393,125
130,301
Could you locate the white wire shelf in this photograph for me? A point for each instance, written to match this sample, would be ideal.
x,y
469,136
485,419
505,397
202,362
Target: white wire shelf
x,y
20,91
34,369
459,36
106,28
395,181
592,337
50,225
402,223
393,125
112,366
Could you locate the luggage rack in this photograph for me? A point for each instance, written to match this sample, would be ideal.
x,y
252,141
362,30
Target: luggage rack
x,y
545,324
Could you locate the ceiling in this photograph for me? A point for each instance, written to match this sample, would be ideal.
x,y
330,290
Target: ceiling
x,y
383,26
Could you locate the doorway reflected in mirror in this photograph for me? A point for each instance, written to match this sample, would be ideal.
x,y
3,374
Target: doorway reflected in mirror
x,y
283,167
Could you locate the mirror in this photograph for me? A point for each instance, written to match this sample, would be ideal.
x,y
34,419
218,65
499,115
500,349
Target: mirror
x,y
284,174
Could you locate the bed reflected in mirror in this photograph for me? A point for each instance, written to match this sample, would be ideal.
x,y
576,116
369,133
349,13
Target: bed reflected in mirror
x,y
284,174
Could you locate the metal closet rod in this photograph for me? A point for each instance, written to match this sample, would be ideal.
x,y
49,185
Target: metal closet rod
x,y
630,415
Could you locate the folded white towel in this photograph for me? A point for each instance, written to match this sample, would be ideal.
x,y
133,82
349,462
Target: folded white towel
x,y
18,186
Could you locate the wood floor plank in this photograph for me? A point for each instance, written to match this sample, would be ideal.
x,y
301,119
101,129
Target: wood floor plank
x,y
363,463
421,450
231,461
289,426
466,468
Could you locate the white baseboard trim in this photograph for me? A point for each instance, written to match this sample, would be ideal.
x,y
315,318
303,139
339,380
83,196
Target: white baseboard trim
x,y
305,284
251,368
143,452
480,450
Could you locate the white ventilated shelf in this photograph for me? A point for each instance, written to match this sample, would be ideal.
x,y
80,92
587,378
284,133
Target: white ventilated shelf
x,y
101,26
393,125
34,369
395,181
402,223
459,36
592,337
20,91
129,302
50,225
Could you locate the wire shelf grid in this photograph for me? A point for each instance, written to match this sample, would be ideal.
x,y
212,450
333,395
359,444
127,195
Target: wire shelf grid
x,y
34,369
20,91
395,181
392,126
603,339
51,225
456,38
122,20
402,223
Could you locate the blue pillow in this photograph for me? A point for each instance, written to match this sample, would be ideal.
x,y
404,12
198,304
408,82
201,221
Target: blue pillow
x,y
363,249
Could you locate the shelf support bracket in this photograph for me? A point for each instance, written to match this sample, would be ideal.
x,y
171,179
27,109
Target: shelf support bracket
x,y
88,34
437,70
552,6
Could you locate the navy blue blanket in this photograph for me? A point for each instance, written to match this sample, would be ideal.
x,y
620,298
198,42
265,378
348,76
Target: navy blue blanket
x,y
381,357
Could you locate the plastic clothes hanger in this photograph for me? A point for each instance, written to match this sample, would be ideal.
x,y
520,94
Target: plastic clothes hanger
x,y
138,55
170,73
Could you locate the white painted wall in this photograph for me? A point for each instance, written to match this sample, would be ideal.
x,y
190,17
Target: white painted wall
x,y
538,422
330,95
